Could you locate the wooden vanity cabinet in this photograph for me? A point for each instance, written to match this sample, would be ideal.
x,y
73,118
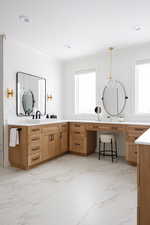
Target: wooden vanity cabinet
x,y
143,185
38,144
133,132
77,138
82,141
50,142
64,138
18,156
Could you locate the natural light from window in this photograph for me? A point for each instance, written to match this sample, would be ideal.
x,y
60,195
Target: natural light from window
x,y
142,88
85,92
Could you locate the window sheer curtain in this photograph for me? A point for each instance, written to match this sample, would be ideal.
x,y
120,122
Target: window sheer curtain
x,y
85,92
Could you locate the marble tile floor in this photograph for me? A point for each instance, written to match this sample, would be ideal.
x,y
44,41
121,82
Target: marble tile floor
x,y
70,190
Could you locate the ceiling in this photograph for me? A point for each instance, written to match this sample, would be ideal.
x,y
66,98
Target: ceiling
x,y
88,26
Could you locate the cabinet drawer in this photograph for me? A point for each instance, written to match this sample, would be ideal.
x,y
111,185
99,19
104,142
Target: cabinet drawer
x,y
132,153
93,127
35,139
136,131
34,159
77,127
34,148
35,130
131,138
118,128
50,129
78,146
105,127
77,134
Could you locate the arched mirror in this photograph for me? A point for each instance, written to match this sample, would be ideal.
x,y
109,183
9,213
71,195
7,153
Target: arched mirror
x,y
114,98
28,102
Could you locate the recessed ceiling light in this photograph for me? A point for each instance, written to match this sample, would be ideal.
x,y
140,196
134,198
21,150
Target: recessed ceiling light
x,y
137,28
67,46
24,19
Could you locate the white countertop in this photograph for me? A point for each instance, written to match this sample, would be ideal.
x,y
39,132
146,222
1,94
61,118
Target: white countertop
x,y
144,139
31,122
36,122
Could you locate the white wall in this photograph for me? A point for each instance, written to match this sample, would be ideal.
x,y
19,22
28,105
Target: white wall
x,y
123,70
18,57
1,100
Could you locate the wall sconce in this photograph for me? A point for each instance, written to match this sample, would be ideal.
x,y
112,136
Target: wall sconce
x,y
49,97
10,93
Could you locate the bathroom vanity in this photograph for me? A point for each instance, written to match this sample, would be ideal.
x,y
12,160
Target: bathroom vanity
x,y
38,144
143,143
42,142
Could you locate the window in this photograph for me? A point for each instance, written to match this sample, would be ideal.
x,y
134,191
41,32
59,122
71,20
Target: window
x,y
142,87
85,92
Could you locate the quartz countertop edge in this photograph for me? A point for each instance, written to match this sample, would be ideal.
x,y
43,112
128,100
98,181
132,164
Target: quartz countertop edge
x,y
144,139
29,123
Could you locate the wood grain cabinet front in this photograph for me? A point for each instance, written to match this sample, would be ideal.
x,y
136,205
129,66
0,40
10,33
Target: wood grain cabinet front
x,y
78,138
143,185
133,132
38,144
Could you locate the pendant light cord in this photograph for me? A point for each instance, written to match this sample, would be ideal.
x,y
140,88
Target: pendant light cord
x,y
110,73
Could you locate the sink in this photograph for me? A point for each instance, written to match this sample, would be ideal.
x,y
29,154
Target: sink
x,y
39,121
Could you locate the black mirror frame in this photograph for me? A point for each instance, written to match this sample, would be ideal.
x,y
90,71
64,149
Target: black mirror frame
x,y
17,77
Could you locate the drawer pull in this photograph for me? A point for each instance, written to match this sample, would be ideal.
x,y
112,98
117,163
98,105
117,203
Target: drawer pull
x,y
36,158
35,139
77,144
36,148
77,132
51,137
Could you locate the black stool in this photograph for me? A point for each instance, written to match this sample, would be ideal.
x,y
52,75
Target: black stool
x,y
108,139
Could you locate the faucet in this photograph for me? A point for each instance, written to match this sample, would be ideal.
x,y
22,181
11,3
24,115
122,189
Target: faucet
x,y
38,114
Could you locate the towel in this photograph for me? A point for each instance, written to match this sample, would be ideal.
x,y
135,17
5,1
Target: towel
x,y
14,137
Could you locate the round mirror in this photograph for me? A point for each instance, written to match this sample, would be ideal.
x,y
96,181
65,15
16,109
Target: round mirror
x,y
28,102
114,98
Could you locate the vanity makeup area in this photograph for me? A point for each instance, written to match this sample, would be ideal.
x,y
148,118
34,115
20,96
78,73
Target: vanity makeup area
x,y
42,139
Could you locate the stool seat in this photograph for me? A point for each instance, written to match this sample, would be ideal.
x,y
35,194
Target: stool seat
x,y
108,139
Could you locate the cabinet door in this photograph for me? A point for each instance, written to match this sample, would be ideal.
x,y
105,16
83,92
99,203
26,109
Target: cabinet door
x,y
131,155
64,141
45,146
50,144
144,184
55,144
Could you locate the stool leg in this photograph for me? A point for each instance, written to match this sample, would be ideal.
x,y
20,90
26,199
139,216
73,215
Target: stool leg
x,y
104,150
99,149
112,151
116,149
